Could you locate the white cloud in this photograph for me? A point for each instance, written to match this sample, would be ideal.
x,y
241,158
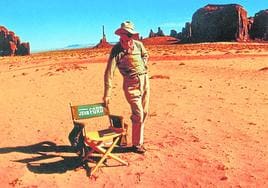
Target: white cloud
x,y
172,24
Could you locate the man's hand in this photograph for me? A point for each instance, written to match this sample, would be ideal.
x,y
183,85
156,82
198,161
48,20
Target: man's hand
x,y
106,101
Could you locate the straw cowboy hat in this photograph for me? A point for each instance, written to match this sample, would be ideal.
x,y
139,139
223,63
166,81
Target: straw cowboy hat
x,y
127,27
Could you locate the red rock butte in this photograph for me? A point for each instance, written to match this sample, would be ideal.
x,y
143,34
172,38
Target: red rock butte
x,y
11,45
222,23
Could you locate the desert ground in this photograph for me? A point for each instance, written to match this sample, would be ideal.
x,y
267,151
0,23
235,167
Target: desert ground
x,y
207,125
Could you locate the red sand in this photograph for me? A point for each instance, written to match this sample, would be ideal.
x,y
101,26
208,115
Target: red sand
x,y
207,125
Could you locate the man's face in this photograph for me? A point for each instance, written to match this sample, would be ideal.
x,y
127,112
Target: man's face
x,y
126,41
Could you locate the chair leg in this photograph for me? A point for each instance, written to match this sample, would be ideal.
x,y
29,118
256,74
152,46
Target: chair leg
x,y
101,150
118,159
107,153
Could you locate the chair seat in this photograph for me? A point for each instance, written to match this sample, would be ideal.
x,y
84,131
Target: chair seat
x,y
102,135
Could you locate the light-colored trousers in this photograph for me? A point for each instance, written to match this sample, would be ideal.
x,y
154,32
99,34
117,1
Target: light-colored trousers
x,y
137,92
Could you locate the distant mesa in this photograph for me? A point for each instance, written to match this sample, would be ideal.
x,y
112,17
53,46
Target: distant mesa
x,y
11,45
73,46
160,40
219,23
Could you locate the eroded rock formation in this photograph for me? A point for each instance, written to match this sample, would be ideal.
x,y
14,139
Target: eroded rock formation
x,y
159,33
215,23
103,42
259,29
10,44
220,23
186,34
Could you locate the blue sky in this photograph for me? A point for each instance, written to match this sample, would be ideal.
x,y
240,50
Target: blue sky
x,y
50,24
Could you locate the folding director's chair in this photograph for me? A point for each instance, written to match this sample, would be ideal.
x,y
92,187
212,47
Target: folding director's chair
x,y
96,139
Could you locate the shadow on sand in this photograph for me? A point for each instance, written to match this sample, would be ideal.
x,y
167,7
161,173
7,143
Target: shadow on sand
x,y
57,161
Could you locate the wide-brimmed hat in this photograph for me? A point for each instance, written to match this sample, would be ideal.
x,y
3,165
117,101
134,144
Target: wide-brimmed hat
x,y
127,27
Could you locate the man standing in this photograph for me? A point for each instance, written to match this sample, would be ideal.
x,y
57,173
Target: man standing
x,y
131,57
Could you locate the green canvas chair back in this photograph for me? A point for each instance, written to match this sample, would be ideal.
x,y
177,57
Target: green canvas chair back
x,y
88,111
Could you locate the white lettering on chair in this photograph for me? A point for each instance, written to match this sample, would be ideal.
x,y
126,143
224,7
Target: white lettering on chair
x,y
91,111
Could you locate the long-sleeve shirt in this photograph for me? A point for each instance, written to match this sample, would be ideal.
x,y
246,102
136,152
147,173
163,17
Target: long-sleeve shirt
x,y
129,64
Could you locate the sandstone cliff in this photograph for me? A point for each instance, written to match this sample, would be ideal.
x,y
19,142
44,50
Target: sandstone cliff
x,y
10,44
259,29
216,23
220,23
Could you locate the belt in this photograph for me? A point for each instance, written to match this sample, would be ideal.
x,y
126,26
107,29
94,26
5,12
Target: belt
x,y
137,74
